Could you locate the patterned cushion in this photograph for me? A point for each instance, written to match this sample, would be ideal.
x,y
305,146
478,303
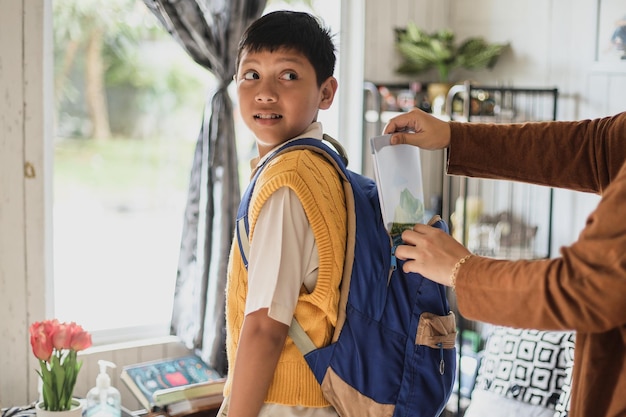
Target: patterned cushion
x,y
530,366
562,407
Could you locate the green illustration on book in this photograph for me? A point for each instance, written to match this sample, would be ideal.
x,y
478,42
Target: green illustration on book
x,y
409,212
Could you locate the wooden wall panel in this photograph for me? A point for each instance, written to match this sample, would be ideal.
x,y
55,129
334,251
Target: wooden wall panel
x,y
13,297
38,109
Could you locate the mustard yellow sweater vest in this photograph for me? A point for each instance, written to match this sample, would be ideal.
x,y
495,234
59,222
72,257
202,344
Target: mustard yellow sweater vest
x,y
317,185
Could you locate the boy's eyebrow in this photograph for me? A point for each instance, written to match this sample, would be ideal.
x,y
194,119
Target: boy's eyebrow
x,y
295,60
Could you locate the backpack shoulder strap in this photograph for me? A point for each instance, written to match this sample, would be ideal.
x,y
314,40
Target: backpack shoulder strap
x,y
339,160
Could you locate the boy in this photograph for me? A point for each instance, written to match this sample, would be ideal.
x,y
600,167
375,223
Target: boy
x,y
297,220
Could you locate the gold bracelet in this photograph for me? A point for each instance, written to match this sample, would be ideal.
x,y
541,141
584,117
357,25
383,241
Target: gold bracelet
x,y
456,269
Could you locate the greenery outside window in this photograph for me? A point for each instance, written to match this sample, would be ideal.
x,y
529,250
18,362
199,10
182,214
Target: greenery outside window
x,y
129,104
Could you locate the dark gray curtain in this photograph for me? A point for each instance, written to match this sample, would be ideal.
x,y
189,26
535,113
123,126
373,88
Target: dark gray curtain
x,y
209,30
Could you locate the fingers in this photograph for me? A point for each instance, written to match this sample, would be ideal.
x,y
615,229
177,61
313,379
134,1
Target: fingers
x,y
408,138
404,121
419,231
414,240
405,252
420,129
430,251
399,123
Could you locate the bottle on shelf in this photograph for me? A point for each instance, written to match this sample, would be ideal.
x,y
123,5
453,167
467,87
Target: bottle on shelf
x,y
103,400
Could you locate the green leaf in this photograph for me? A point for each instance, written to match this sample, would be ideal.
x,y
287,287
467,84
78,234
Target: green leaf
x,y
414,33
59,379
417,55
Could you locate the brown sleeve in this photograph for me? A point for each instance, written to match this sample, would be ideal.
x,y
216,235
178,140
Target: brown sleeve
x,y
583,155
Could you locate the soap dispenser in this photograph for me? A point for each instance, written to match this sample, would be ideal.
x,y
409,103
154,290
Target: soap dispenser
x,y
103,400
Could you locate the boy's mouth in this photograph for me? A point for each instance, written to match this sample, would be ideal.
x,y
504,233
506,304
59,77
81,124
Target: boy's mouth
x,y
268,116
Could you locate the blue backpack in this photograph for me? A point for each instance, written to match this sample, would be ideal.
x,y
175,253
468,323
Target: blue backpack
x,y
393,350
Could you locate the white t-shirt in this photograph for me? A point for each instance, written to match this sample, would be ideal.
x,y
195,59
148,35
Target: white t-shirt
x,y
283,254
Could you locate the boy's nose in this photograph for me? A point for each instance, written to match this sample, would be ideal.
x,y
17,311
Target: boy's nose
x,y
266,93
265,97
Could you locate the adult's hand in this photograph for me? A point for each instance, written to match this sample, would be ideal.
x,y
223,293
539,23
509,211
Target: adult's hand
x,y
430,252
420,129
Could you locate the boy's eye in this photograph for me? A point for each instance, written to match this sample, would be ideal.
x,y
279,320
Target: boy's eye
x,y
289,76
250,75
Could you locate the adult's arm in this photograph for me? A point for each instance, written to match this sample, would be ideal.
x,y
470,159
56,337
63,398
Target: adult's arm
x,y
582,155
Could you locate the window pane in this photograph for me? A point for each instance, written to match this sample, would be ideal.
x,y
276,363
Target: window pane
x,y
129,107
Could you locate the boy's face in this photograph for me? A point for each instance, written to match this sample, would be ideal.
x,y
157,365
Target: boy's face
x,y
279,96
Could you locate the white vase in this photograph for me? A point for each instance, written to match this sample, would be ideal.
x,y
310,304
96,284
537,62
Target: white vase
x,y
75,411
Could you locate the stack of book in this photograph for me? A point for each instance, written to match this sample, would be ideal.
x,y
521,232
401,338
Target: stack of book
x,y
177,386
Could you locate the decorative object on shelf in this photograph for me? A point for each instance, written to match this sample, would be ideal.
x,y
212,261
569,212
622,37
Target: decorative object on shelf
x,y
611,32
465,215
56,345
424,51
103,400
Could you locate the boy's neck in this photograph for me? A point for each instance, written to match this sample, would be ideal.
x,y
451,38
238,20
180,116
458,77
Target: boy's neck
x,y
314,131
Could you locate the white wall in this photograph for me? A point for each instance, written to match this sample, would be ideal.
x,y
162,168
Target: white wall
x,y
552,44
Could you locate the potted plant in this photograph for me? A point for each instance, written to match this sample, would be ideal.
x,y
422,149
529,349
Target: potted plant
x,y
424,51
55,345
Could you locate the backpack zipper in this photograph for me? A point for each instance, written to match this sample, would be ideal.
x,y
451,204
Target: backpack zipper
x,y
442,364
395,242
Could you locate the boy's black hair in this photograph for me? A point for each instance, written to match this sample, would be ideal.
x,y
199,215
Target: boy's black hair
x,y
299,31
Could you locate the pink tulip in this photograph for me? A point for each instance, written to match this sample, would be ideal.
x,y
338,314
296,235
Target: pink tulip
x,y
40,341
62,336
80,338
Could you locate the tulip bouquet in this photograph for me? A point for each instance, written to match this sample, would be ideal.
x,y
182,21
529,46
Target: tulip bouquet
x,y
56,344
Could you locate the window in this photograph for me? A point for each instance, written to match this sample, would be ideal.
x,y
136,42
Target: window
x,y
129,103
129,106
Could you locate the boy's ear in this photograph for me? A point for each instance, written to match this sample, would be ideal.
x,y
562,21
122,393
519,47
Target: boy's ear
x,y
328,90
